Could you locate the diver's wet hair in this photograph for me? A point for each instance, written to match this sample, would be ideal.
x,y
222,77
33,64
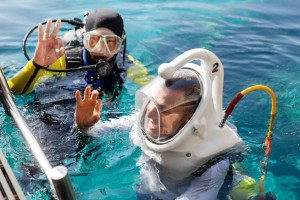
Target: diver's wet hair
x,y
186,81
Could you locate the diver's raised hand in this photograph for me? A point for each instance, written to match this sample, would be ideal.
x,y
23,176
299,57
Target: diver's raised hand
x,y
88,109
48,48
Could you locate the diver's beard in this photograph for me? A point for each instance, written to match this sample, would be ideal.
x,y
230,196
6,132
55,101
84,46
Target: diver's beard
x,y
160,133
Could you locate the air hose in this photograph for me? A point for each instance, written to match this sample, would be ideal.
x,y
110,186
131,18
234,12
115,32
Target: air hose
x,y
268,138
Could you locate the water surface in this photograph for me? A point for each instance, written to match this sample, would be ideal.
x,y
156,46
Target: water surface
x,y
257,41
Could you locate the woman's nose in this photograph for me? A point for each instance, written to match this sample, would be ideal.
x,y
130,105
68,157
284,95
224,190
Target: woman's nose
x,y
101,46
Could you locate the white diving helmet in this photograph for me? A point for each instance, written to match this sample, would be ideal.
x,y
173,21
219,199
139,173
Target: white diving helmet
x,y
180,111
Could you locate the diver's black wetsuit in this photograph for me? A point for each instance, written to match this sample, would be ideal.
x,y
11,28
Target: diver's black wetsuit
x,y
54,106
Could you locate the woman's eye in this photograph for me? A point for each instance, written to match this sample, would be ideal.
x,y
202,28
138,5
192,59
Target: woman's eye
x,y
94,39
111,40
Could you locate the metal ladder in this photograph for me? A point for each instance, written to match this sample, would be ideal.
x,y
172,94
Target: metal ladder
x,y
9,186
58,176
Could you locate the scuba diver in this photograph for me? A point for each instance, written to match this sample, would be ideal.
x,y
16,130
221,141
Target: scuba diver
x,y
96,46
94,54
186,154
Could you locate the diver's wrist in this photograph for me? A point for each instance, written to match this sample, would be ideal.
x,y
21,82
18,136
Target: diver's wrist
x,y
39,66
81,129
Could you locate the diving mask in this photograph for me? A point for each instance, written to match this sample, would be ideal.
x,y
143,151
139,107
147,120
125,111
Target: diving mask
x,y
107,44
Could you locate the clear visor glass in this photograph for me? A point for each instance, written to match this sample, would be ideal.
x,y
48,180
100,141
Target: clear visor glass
x,y
162,122
106,45
166,106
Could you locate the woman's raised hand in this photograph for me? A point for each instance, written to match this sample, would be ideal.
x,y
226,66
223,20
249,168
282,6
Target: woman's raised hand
x,y
49,48
88,109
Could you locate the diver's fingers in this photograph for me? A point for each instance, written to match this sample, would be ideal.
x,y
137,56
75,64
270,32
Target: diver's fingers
x,y
40,32
59,43
78,97
56,29
96,117
98,105
60,52
59,48
87,93
95,94
47,30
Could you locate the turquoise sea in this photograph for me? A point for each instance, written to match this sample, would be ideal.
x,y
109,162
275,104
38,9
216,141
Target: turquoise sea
x,y
258,42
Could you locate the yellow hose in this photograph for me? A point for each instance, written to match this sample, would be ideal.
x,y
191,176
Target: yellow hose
x,y
268,138
269,134
262,87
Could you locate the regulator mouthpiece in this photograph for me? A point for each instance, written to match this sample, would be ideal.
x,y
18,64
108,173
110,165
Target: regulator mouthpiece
x,y
103,68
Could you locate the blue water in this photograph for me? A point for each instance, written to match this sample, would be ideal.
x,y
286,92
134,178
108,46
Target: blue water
x,y
257,41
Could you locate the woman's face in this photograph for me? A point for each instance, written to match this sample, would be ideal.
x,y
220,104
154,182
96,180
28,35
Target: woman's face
x,y
102,42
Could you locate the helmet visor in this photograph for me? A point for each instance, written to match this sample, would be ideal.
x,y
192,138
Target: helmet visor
x,y
161,122
106,45
168,105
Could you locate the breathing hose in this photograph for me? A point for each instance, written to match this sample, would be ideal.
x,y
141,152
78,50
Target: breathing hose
x,y
268,138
